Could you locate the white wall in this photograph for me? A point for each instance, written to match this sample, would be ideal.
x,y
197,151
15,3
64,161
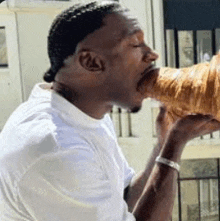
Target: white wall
x,y
10,81
32,31
30,35
137,150
33,26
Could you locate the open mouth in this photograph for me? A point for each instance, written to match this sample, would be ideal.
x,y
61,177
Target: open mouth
x,y
148,76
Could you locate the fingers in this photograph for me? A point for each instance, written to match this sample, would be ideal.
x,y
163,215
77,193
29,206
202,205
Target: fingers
x,y
193,126
196,119
187,126
162,114
161,124
213,125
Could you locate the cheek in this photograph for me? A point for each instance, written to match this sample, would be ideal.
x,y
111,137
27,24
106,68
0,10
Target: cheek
x,y
126,61
128,53
134,58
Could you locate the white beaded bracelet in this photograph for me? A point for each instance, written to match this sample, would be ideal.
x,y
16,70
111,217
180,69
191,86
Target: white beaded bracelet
x,y
168,163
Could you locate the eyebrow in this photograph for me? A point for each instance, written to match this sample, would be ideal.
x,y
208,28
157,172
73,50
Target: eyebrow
x,y
129,33
133,32
136,27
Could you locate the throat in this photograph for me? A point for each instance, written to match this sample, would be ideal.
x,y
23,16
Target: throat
x,y
86,101
93,109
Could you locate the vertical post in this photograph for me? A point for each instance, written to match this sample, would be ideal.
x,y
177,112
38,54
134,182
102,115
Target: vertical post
x,y
158,27
170,48
215,135
195,47
199,200
213,42
218,170
130,125
179,198
176,43
120,123
116,120
124,123
165,48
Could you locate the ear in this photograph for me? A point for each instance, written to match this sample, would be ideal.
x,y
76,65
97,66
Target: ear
x,y
91,61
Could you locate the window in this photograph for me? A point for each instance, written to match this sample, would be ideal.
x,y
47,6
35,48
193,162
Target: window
x,y
186,54
122,120
198,191
3,48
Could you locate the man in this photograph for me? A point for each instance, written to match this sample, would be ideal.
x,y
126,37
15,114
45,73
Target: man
x,y
59,155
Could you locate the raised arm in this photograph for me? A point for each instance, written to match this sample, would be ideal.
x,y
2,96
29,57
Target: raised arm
x,y
157,198
135,189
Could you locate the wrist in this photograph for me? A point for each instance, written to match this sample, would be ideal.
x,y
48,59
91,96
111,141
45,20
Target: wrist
x,y
168,163
173,148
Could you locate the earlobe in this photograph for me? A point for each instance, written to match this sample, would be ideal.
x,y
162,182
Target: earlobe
x,y
91,61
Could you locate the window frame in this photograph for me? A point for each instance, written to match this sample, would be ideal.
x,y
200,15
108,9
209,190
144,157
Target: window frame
x,y
6,65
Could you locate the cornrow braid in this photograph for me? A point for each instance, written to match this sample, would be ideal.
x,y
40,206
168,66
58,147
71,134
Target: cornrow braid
x,y
70,27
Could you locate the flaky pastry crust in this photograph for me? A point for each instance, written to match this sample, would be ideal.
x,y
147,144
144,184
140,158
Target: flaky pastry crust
x,y
188,90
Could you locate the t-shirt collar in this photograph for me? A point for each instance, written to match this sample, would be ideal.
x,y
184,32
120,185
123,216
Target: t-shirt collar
x,y
67,109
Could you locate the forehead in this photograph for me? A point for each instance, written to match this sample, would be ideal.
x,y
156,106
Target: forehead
x,y
116,28
120,26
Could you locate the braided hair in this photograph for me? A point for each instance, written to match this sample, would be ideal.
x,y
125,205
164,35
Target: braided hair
x,y
72,26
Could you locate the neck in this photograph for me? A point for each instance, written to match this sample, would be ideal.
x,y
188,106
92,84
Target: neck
x,y
93,109
89,103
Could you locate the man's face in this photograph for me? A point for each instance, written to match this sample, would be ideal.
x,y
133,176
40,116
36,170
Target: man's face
x,y
127,59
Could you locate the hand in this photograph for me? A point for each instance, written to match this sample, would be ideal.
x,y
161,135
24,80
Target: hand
x,y
165,120
185,129
192,126
183,125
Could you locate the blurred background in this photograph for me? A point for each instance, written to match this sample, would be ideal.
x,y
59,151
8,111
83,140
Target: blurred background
x,y
183,32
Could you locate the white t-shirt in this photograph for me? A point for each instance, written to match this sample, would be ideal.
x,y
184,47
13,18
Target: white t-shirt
x,y
59,164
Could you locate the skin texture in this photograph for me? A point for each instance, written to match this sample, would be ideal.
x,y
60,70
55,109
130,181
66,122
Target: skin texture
x,y
105,70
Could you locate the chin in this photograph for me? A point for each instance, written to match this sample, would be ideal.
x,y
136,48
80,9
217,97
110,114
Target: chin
x,y
137,105
135,109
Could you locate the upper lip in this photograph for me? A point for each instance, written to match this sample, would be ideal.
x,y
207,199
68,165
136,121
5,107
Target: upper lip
x,y
148,69
147,74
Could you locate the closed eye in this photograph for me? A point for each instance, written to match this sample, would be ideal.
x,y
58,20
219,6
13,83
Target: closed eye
x,y
140,45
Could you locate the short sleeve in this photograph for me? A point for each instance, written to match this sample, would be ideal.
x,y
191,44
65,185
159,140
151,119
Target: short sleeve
x,y
71,186
129,173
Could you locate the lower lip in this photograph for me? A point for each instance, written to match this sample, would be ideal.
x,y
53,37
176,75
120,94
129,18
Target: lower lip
x,y
147,79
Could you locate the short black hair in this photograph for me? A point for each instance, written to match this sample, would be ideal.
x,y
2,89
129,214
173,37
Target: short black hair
x,y
71,26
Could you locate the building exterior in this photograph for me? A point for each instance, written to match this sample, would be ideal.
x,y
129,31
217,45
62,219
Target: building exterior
x,y
24,27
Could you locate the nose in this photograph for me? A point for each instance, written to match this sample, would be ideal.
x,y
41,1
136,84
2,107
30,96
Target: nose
x,y
150,55
153,56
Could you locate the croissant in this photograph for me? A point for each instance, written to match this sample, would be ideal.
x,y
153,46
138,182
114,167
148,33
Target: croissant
x,y
194,89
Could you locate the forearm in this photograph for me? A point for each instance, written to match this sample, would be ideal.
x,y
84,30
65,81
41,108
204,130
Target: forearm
x,y
135,189
157,199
